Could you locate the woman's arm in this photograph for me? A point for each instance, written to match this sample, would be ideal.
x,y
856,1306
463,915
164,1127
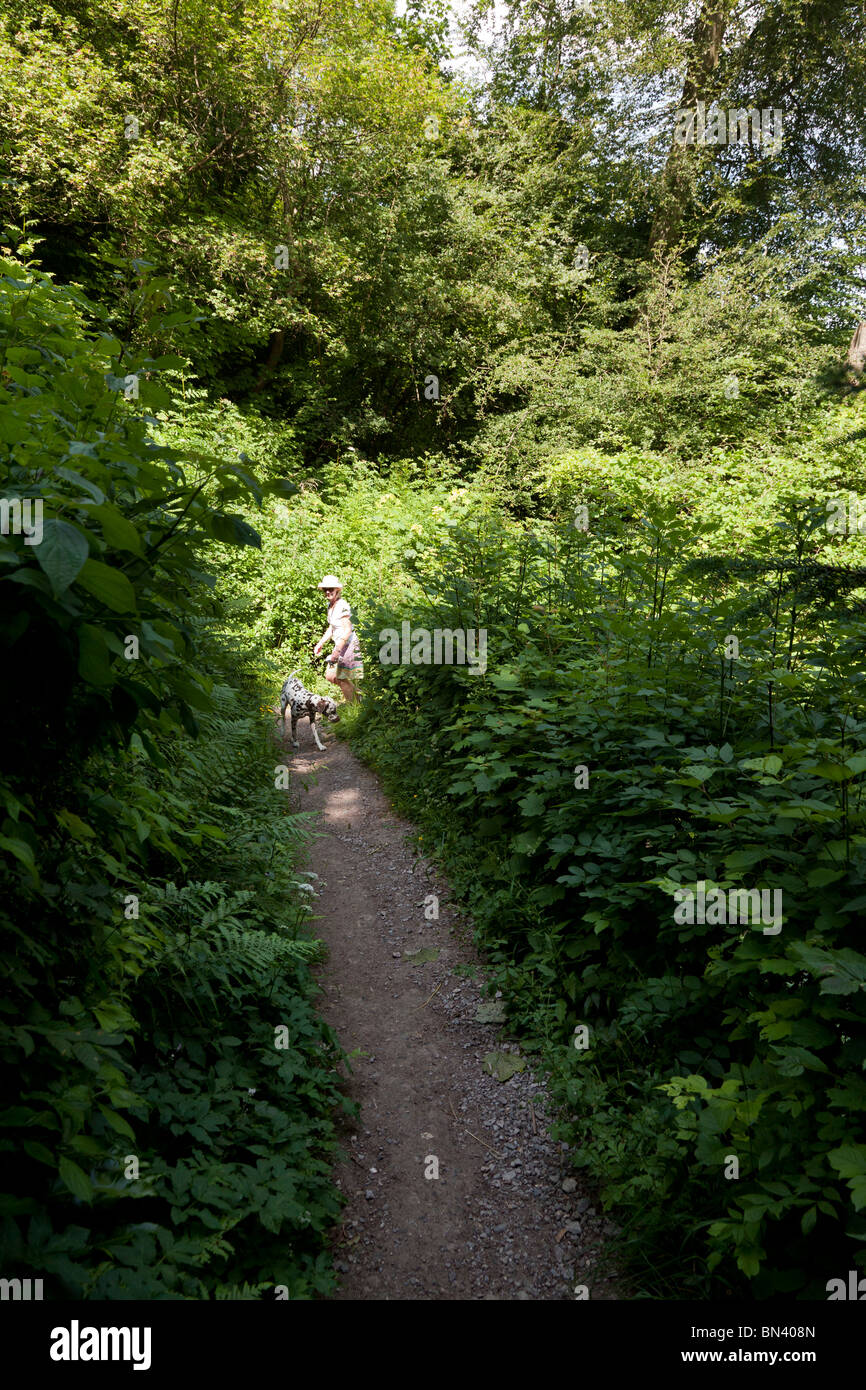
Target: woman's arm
x,y
322,640
342,638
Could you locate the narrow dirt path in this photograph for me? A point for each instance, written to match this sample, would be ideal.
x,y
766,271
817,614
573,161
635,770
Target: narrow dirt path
x,y
503,1219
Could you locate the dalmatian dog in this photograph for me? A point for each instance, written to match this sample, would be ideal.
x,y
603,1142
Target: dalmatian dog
x,y
301,702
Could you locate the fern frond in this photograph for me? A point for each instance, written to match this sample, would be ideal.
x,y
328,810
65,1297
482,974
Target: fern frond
x,y
226,1292
229,947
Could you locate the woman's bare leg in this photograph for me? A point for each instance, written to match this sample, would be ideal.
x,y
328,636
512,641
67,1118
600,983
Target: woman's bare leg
x,y
350,695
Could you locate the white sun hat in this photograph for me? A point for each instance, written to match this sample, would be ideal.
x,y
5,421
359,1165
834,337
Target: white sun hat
x,y
330,581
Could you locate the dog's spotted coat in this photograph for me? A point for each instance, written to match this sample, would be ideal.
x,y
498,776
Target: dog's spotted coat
x,y
300,702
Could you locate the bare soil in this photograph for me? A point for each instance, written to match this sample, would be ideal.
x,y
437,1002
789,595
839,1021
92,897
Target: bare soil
x,y
505,1218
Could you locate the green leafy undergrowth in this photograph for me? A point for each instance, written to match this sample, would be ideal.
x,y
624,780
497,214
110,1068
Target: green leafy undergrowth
x,y
617,753
175,1128
175,1090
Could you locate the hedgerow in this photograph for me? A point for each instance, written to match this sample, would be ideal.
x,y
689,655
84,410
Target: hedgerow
x,y
617,750
176,1089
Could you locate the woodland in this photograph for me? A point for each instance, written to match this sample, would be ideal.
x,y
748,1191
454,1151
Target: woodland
x,y
509,344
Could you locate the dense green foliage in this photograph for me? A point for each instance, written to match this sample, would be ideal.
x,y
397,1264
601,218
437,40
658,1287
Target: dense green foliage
x,y
151,905
285,239
606,651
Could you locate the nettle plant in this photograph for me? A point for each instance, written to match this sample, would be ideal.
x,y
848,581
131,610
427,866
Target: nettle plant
x,y
621,748
128,932
122,519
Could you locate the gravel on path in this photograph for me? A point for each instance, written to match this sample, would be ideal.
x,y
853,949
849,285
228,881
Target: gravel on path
x,y
505,1218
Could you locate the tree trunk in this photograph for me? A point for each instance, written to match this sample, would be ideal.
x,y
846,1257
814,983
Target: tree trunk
x,y
856,358
677,196
278,341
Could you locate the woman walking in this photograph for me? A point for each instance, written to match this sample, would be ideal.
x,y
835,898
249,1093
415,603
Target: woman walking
x,y
344,664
